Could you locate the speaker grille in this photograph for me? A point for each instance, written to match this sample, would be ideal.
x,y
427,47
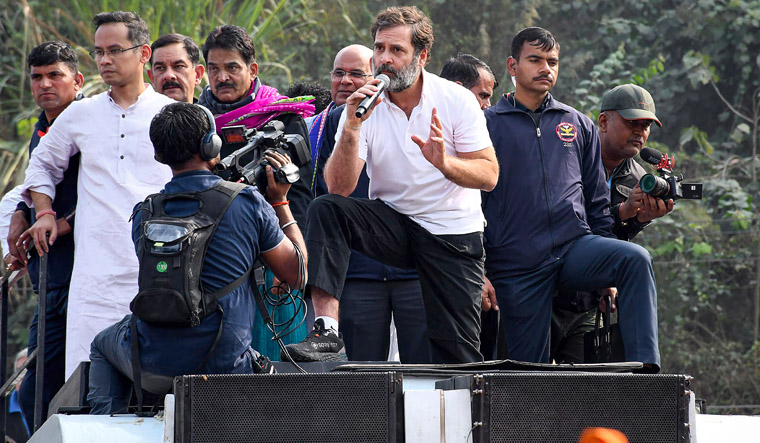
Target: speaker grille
x,y
291,407
557,407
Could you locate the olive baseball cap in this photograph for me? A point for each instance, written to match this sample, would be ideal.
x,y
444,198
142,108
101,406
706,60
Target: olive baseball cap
x,y
631,102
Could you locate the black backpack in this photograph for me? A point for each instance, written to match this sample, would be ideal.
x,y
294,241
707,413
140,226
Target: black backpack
x,y
171,251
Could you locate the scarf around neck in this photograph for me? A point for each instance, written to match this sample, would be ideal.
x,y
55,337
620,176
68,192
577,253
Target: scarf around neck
x,y
262,104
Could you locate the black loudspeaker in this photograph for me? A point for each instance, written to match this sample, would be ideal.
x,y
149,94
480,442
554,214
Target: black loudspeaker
x,y
557,407
328,407
72,397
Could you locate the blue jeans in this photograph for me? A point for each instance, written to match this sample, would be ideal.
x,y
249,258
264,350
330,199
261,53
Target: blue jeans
x,y
365,318
111,369
55,353
593,262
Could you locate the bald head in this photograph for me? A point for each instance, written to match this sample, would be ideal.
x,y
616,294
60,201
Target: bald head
x,y
352,68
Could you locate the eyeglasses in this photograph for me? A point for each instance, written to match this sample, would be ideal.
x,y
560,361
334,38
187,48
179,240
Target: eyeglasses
x,y
115,52
356,75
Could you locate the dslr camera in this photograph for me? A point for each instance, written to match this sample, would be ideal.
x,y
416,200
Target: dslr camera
x,y
247,163
666,185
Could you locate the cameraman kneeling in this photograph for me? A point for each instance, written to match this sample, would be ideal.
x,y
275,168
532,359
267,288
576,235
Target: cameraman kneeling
x,y
183,138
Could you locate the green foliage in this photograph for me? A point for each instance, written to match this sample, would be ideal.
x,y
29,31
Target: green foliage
x,y
693,133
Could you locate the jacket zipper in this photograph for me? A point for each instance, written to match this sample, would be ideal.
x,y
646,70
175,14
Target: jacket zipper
x,y
543,169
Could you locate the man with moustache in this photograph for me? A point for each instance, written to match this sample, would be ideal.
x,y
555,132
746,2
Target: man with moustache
x,y
55,83
236,96
425,213
175,68
117,170
472,73
372,291
549,225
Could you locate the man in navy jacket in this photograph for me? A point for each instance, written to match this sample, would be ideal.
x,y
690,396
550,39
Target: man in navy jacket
x,y
55,82
549,224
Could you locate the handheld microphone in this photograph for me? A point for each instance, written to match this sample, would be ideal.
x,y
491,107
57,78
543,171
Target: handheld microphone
x,y
651,156
368,102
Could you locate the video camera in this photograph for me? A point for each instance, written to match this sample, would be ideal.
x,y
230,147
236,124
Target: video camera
x,y
248,164
667,185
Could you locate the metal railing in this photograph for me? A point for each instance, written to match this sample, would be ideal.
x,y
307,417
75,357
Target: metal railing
x,y
6,282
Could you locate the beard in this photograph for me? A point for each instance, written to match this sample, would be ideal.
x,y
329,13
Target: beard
x,y
402,79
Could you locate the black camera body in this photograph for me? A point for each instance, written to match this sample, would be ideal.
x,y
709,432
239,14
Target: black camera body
x,y
247,164
667,185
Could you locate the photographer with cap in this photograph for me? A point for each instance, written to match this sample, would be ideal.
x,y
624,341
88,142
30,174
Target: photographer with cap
x,y
627,114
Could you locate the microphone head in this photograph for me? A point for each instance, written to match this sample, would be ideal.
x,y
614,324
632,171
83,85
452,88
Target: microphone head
x,y
651,156
384,80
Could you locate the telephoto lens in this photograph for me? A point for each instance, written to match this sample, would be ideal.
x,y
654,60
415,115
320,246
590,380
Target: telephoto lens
x,y
654,185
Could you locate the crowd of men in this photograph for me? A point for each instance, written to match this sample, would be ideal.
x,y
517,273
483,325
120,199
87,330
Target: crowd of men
x,y
481,230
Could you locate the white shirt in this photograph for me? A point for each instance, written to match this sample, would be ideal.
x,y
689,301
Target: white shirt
x,y
117,171
7,208
399,173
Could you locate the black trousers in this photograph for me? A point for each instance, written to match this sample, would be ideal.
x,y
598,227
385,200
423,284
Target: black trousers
x,y
365,311
450,266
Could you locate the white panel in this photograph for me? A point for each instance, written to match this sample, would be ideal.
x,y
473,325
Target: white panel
x,y
727,428
169,418
457,416
422,416
99,428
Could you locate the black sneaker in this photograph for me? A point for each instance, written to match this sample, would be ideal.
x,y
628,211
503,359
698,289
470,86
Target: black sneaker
x,y
321,344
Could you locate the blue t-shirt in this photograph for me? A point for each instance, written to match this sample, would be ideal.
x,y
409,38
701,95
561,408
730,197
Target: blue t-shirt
x,y
248,228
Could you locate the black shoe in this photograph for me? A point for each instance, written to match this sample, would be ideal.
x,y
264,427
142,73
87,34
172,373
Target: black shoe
x,y
321,344
262,364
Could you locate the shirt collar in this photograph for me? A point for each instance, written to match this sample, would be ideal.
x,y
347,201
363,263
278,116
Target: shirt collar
x,y
516,103
188,181
426,90
145,95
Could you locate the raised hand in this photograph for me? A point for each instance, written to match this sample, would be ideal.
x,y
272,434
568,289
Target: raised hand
x,y
433,149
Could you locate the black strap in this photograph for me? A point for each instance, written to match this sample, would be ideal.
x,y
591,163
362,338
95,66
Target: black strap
x,y
262,306
231,190
136,373
216,340
597,337
238,281
607,329
603,334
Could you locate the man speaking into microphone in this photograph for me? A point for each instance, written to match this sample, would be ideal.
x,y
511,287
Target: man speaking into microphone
x,y
428,155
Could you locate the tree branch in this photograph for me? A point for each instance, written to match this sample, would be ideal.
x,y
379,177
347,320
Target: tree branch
x,y
723,99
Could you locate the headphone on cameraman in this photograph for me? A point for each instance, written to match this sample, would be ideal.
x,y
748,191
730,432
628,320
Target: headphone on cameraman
x,y
211,144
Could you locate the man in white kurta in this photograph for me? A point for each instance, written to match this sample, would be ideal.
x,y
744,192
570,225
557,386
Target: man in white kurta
x,y
117,171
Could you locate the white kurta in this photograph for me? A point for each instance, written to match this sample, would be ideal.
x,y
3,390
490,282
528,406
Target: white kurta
x,y
117,171
7,208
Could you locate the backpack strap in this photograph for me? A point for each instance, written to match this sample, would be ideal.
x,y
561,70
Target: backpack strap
x,y
136,373
231,190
